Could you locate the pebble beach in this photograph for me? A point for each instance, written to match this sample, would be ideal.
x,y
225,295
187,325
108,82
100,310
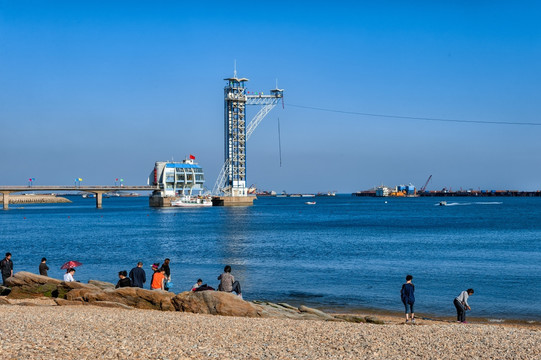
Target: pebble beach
x,y
43,331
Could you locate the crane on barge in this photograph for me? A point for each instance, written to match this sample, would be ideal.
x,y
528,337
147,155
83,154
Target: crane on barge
x,y
422,190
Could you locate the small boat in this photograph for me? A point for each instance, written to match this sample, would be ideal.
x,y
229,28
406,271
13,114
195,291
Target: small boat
x,y
330,193
308,195
443,203
310,203
192,201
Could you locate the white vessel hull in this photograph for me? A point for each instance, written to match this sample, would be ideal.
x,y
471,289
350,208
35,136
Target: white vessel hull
x,y
192,202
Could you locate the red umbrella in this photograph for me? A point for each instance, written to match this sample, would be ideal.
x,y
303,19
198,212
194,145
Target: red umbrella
x,y
71,264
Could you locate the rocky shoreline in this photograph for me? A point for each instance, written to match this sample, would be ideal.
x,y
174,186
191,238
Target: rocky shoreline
x,y
44,317
24,285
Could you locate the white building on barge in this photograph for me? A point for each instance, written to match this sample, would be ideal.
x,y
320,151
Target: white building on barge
x,y
175,180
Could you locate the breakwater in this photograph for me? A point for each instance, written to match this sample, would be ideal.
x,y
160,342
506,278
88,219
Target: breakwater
x,y
35,199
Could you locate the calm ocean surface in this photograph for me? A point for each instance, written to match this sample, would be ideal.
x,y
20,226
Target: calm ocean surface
x,y
343,253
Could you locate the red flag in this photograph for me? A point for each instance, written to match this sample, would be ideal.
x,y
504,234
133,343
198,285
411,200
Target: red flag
x,y
192,157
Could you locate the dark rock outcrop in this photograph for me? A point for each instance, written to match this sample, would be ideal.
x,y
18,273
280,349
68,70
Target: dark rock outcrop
x,y
4,291
27,285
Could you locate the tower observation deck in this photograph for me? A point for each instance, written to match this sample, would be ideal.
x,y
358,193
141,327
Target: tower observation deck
x,y
231,181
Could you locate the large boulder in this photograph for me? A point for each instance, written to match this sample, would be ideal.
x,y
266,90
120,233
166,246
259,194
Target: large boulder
x,y
130,296
25,278
215,303
102,284
28,285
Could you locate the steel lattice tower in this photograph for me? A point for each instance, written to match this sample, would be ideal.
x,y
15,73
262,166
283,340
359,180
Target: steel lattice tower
x,y
235,135
232,178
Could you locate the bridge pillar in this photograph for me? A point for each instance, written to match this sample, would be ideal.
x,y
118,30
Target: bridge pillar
x,y
5,200
99,196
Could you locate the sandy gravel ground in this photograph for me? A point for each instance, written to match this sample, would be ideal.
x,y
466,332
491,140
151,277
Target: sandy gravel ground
x,y
88,332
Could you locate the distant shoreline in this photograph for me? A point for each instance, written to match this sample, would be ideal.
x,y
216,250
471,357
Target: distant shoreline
x,y
474,193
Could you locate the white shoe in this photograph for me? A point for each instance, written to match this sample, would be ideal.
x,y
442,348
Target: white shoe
x,y
240,296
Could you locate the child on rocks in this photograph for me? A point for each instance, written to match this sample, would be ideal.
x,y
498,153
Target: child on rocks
x,y
197,284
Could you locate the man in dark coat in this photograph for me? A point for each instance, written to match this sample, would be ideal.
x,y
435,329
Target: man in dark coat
x,y
43,268
138,276
6,267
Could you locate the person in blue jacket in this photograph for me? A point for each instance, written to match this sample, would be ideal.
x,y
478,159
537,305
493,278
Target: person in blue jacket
x,y
408,298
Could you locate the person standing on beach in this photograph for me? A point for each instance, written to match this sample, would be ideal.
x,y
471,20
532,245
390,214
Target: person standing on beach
x,y
408,297
43,267
228,283
461,304
165,267
6,268
138,276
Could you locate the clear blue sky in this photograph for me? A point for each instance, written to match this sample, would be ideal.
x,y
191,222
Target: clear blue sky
x,y
103,89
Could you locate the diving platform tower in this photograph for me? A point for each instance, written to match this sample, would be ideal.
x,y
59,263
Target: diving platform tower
x,y
230,188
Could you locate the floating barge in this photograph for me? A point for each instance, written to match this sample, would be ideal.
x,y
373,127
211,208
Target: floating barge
x,y
483,193
469,193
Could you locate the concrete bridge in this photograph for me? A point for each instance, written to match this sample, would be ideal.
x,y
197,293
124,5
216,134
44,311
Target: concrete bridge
x,y
97,190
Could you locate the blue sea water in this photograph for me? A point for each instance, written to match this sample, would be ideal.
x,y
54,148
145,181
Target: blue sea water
x,y
344,253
